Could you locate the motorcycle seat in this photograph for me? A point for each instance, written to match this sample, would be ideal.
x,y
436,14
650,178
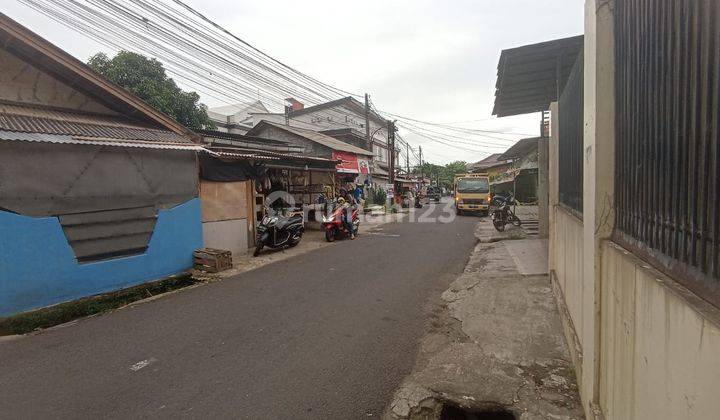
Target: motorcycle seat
x,y
288,221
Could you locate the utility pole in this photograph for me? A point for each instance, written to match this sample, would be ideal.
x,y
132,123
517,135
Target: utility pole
x,y
407,158
421,167
287,114
391,151
368,140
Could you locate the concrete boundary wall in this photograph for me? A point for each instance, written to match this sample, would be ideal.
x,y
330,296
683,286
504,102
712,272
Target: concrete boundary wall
x,y
659,344
569,263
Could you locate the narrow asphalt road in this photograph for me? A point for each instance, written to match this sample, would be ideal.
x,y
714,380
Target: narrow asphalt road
x,y
325,335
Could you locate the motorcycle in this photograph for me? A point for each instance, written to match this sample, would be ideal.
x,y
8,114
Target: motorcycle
x,y
503,214
276,232
335,227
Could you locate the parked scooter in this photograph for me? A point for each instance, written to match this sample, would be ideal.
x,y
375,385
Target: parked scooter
x,y
276,232
503,214
334,226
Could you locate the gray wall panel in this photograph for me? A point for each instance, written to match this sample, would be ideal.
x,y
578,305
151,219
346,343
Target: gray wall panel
x,y
44,179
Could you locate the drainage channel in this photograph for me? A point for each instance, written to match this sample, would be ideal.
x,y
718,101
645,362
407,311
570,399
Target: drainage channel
x,y
452,412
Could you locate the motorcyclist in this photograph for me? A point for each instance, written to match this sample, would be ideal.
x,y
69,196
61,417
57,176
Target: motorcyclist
x,y
346,216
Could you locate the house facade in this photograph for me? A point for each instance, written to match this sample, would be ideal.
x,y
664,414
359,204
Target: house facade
x,y
237,118
343,119
98,191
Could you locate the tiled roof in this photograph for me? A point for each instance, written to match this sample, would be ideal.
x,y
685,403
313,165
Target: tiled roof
x,y
35,119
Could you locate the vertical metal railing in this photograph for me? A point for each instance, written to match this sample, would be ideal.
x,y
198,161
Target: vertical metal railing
x,y
570,142
667,57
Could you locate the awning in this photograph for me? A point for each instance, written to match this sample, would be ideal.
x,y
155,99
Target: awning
x,y
530,77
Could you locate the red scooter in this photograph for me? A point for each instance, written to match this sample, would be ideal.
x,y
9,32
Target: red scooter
x,y
334,226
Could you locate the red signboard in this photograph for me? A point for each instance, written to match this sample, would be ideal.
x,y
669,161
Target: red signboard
x,y
350,163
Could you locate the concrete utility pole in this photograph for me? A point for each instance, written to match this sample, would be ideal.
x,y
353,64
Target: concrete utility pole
x,y
421,166
407,159
391,150
368,138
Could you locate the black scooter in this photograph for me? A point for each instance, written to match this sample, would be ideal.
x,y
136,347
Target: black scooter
x,y
503,213
276,232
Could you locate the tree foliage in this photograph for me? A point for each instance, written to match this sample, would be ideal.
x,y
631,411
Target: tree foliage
x,y
146,78
446,173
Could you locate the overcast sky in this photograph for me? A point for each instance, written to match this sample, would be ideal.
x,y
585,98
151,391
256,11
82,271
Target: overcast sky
x,y
426,59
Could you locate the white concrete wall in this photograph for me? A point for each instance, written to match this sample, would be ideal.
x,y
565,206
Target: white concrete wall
x,y
230,235
648,348
569,264
660,352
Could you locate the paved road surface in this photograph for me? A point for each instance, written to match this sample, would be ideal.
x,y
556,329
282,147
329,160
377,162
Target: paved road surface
x,y
328,334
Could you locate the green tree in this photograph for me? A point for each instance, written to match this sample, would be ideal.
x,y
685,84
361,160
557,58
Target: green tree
x,y
146,78
447,173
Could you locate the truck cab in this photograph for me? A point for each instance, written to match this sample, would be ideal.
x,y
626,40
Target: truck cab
x,y
472,193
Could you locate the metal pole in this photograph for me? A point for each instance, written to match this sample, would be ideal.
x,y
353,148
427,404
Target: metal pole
x,y
391,135
368,138
422,177
407,159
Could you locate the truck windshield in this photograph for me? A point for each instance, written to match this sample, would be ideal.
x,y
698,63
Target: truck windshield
x,y
473,185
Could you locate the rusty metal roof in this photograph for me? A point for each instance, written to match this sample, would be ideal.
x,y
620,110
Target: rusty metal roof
x,y
532,76
265,155
35,119
95,141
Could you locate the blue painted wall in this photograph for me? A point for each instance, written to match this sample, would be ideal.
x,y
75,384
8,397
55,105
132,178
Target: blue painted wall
x,y
38,266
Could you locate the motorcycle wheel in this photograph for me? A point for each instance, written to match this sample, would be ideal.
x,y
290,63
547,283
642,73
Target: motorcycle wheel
x,y
295,240
515,220
258,248
499,224
330,235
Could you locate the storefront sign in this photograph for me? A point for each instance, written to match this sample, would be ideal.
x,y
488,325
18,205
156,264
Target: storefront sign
x,y
350,163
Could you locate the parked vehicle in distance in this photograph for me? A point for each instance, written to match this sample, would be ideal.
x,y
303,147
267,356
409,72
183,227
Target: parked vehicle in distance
x,y
434,194
334,226
278,232
472,193
503,213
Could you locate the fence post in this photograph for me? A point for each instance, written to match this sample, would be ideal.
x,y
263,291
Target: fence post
x,y
598,183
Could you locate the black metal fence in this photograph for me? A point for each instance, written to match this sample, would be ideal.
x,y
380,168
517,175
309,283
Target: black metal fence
x,y
570,143
667,56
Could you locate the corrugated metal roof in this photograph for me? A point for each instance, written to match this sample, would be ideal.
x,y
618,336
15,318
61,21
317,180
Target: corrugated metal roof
x,y
319,138
95,141
251,154
35,119
520,149
527,76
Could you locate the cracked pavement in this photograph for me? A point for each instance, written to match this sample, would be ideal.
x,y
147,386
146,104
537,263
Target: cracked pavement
x,y
497,344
